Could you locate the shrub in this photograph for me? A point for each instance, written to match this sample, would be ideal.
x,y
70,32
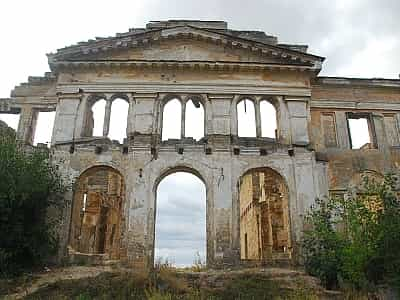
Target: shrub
x,y
29,186
322,244
354,240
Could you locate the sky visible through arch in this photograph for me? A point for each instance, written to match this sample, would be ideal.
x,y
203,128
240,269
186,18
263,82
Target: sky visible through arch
x,y
181,219
359,38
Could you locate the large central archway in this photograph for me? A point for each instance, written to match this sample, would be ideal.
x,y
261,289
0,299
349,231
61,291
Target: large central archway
x,y
180,218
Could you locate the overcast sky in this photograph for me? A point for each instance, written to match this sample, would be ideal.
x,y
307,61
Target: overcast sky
x,y
181,219
358,38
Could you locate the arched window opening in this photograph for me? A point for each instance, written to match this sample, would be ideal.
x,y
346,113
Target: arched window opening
x,y
44,127
97,213
246,118
171,120
264,216
194,119
268,119
180,232
118,120
98,112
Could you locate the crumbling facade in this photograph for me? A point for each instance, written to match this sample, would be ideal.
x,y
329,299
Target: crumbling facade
x,y
258,188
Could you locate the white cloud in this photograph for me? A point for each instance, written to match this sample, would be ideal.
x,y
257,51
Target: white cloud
x,y
378,48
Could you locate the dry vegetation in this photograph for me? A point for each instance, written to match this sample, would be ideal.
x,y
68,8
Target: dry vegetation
x,y
166,282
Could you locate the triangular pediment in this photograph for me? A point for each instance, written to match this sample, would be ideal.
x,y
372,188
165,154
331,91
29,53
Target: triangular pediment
x,y
184,50
184,44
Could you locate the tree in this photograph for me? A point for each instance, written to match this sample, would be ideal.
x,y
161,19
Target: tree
x,y
354,241
29,186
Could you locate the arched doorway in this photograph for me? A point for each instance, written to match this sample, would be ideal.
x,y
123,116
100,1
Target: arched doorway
x,y
264,216
180,219
97,217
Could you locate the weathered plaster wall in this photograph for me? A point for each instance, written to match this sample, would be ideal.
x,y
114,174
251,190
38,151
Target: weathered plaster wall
x,y
332,99
221,173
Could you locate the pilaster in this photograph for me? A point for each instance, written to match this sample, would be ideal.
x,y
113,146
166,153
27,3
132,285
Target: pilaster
x,y
284,136
342,130
298,115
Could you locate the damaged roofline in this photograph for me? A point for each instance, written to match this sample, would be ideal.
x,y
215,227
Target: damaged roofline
x,y
51,56
374,82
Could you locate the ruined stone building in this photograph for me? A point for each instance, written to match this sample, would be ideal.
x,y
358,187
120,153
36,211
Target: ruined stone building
x,y
259,183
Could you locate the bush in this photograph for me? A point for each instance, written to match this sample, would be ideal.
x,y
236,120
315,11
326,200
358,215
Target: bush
x,y
354,241
29,186
322,244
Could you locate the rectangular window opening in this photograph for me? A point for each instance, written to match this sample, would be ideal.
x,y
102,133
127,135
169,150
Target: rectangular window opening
x,y
361,132
44,128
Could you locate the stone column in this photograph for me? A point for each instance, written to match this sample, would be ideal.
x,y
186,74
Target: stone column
x,y
130,128
107,115
258,117
27,124
183,117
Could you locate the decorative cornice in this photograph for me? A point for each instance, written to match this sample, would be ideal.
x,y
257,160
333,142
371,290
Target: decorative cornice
x,y
142,87
172,64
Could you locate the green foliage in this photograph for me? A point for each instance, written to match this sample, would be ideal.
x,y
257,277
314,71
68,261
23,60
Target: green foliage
x,y
29,186
354,241
322,244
